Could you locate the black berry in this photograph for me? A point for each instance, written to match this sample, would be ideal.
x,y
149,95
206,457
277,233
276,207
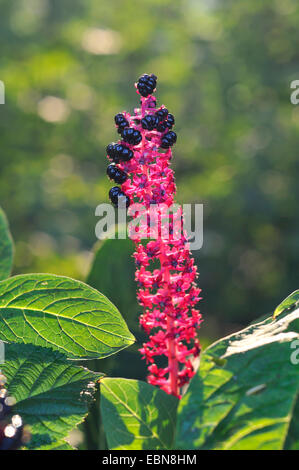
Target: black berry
x,y
132,136
110,151
119,118
123,152
168,139
121,122
118,197
116,174
146,84
149,122
162,126
114,193
119,152
162,114
170,121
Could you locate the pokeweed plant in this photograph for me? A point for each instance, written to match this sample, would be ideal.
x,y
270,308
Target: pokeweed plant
x,y
167,292
244,395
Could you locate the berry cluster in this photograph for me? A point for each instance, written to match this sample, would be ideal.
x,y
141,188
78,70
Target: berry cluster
x,y
131,128
146,84
11,426
161,120
168,294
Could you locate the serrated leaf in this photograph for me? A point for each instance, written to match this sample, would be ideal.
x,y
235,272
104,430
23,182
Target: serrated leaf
x,y
137,415
249,400
52,395
6,247
61,313
289,302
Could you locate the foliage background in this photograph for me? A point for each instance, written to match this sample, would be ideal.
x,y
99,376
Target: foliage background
x,y
224,70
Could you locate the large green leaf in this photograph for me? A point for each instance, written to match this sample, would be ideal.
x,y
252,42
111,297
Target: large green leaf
x,y
6,247
61,313
244,394
137,415
52,395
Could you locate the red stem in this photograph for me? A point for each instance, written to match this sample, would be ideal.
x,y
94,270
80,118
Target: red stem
x,y
172,360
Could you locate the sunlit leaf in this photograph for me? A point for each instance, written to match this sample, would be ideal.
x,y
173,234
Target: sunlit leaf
x,y
59,312
247,400
52,395
137,415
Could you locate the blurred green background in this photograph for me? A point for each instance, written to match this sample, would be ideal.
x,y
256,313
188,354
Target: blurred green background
x,y
224,69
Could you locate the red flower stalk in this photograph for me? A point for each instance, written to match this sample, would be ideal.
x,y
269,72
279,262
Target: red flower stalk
x,y
165,269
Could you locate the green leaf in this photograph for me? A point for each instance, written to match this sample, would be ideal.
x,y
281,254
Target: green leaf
x,y
289,302
6,248
137,415
52,395
244,394
292,441
59,445
61,313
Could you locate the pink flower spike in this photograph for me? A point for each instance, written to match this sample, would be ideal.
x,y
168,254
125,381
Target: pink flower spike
x,y
165,270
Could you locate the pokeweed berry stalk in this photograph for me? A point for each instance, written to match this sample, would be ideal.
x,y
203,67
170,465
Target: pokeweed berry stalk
x,y
165,270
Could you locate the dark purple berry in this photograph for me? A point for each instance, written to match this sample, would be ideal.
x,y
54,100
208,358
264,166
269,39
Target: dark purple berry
x,y
162,114
149,122
121,122
116,174
110,149
119,119
170,121
119,152
146,84
132,136
111,170
125,154
121,127
162,126
114,193
168,139
118,197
